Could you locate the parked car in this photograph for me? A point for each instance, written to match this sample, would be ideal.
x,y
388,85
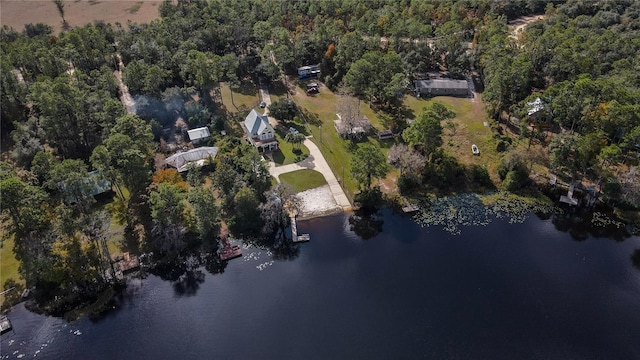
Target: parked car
x,y
263,104
293,130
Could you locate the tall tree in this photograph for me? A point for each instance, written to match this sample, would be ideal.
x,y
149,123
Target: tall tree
x,y
205,210
167,212
368,163
425,133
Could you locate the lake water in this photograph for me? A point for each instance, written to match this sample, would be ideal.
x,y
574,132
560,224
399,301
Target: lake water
x,y
500,291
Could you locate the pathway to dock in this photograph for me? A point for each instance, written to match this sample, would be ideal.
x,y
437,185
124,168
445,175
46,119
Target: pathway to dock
x,y
315,161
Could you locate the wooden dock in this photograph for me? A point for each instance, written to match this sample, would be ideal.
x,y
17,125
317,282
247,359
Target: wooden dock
x,y
5,324
408,207
294,232
229,252
128,263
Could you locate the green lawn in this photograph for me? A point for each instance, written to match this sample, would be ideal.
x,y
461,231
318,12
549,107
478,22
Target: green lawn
x,y
288,153
301,180
8,263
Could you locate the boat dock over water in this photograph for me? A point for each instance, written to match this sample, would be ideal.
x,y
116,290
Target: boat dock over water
x,y
408,207
5,324
294,232
229,252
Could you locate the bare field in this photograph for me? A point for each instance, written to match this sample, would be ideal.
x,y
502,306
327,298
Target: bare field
x,y
17,13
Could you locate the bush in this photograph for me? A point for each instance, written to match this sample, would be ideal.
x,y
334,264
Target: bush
x,y
511,181
480,176
502,171
502,146
407,183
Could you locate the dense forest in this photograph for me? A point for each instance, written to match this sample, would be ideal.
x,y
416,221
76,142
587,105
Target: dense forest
x,y
62,116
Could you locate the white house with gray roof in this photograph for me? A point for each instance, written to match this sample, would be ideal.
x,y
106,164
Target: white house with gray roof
x,y
259,132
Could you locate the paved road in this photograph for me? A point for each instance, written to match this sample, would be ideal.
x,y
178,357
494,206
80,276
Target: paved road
x,y
316,162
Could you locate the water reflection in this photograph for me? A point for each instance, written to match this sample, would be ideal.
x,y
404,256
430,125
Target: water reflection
x,y
366,225
188,283
584,223
635,258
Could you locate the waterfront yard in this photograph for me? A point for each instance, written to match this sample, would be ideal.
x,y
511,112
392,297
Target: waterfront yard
x,y
320,111
301,180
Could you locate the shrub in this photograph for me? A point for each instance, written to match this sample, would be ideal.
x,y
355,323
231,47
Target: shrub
x,y
502,146
480,176
407,183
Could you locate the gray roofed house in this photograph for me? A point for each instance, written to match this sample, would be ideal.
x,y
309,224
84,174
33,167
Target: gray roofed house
x,y
447,87
259,132
196,135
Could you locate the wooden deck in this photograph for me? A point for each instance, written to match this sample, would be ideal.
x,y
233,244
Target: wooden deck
x,y
128,263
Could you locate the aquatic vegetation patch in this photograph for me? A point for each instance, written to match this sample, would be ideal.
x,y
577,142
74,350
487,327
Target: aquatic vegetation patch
x,y
458,211
603,220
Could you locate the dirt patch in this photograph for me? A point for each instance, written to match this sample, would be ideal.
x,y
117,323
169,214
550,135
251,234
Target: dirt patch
x,y
17,13
516,27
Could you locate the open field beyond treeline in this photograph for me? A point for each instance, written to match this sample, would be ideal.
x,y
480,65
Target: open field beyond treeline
x,y
18,13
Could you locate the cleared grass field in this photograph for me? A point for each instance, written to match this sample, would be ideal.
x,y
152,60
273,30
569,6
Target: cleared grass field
x,y
246,98
8,263
301,180
470,118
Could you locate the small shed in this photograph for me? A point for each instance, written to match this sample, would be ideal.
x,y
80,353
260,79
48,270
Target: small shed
x,y
385,134
199,134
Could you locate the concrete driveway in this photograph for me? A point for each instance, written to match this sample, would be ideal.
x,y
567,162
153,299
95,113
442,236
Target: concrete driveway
x,y
317,162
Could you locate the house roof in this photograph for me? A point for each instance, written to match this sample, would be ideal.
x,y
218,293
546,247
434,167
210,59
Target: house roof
x,y
199,133
534,106
256,124
197,156
442,84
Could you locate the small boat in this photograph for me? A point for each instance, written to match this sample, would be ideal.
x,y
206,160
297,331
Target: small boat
x,y
230,252
475,150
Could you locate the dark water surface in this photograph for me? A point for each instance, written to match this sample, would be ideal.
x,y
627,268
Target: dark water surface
x,y
502,291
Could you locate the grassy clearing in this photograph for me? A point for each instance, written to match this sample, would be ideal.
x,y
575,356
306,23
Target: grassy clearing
x,y
301,180
247,97
470,119
8,263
